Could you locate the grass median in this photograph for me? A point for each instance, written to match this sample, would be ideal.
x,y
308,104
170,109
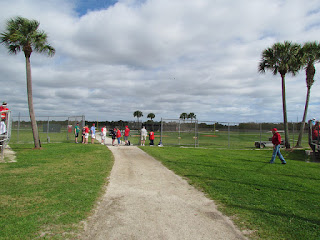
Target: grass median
x,y
271,201
48,192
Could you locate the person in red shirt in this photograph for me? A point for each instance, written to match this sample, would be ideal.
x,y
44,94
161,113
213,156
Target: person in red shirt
x,y
276,140
87,130
4,110
315,131
151,138
126,135
118,135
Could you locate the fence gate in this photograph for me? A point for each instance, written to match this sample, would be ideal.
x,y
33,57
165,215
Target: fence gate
x,y
179,132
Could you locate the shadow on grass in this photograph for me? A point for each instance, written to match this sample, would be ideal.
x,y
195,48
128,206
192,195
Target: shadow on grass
x,y
277,213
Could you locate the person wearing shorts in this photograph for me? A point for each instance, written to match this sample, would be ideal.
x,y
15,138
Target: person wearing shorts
x,y
93,133
103,134
86,137
144,135
76,132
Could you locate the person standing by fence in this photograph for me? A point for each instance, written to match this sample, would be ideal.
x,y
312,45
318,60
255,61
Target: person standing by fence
x,y
113,135
151,138
276,140
76,132
103,134
4,112
93,133
126,135
118,134
144,135
86,137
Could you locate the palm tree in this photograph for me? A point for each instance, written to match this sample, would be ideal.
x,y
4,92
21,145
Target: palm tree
x,y
151,116
192,116
310,54
23,34
138,114
282,58
183,116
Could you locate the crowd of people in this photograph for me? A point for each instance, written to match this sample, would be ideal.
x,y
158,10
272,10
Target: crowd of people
x,y
115,133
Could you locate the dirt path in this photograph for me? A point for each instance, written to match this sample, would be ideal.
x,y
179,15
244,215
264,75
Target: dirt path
x,y
145,200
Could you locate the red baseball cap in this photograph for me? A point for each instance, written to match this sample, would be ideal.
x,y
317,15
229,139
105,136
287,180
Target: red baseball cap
x,y
274,129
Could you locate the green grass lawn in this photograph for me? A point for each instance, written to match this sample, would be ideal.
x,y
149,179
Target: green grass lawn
x,y
25,136
47,192
273,201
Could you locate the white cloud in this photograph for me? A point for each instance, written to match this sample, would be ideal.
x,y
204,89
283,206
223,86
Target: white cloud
x,y
166,57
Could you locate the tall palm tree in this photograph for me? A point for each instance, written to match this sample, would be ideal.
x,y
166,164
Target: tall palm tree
x,y
282,58
23,34
151,116
138,114
310,54
192,116
183,116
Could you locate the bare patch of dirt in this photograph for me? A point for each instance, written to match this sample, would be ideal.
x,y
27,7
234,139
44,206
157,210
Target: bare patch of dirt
x,y
9,155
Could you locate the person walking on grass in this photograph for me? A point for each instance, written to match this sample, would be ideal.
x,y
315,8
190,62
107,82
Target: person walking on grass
x,y
144,135
76,132
93,133
276,140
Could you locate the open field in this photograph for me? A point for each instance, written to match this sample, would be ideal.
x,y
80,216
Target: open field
x,y
25,136
47,192
221,139
272,201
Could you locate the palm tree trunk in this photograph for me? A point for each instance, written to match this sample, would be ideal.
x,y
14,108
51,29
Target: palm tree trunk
x,y
30,103
285,121
303,119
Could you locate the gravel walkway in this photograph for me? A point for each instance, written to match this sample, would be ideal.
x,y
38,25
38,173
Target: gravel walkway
x,y
145,200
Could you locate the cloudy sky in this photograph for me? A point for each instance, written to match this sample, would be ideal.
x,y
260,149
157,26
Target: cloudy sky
x,y
114,57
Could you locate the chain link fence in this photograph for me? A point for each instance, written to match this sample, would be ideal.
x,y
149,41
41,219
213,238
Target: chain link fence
x,y
51,128
225,134
192,133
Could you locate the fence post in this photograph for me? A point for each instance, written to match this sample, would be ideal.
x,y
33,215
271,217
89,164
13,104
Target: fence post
x,y
161,133
83,121
179,133
196,140
228,135
48,139
293,133
260,134
18,127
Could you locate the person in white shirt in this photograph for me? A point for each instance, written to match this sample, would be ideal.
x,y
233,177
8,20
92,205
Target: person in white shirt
x,y
103,134
144,135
